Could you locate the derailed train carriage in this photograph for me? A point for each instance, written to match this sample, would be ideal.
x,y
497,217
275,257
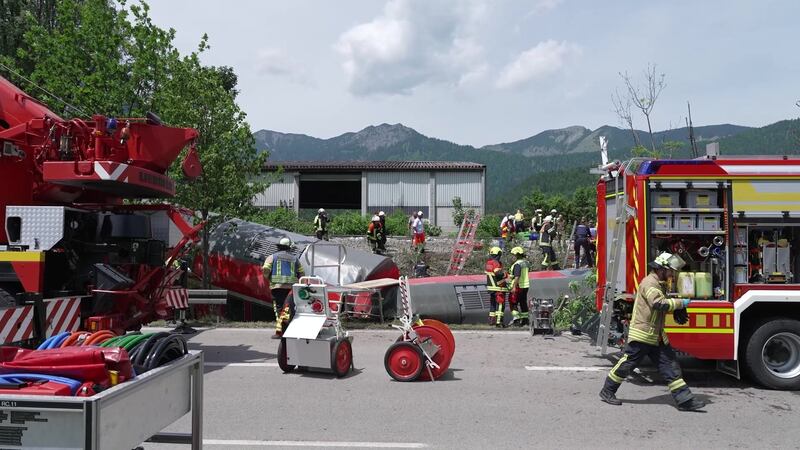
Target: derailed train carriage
x,y
238,250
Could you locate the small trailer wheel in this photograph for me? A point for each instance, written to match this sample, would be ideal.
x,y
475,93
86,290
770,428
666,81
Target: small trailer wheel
x,y
283,360
403,361
342,358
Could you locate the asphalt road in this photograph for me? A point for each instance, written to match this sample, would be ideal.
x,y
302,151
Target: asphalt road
x,y
503,390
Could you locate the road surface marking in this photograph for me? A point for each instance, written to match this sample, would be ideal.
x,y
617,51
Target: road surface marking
x,y
235,364
253,443
567,368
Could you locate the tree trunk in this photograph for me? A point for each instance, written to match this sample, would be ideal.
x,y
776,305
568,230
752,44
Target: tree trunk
x,y
650,130
206,276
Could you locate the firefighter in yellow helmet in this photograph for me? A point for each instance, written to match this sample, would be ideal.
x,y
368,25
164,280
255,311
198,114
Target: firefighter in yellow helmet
x,y
496,284
518,286
282,270
646,335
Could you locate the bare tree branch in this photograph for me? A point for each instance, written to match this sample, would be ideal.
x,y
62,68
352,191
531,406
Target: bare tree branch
x,y
644,97
622,108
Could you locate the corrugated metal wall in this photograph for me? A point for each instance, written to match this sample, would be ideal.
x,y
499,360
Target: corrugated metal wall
x,y
398,189
466,185
408,191
278,191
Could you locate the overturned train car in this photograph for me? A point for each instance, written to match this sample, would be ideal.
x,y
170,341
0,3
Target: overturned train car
x,y
237,250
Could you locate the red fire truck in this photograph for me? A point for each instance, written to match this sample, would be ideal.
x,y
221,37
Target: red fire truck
x,y
736,222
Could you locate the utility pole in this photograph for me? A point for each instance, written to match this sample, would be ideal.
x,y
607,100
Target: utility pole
x,y
692,139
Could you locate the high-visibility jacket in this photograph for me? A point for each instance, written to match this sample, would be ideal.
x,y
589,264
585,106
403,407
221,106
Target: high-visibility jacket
x,y
320,222
650,308
495,278
282,269
522,277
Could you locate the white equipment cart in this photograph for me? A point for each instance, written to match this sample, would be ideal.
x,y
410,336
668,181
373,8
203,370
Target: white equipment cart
x,y
315,337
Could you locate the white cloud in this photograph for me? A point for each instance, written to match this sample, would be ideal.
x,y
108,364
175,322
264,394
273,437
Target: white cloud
x,y
274,62
413,42
544,60
543,6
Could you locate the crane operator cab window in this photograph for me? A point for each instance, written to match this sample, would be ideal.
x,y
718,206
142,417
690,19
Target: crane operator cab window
x,y
766,254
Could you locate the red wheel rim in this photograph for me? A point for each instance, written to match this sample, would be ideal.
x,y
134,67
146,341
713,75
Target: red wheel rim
x,y
444,329
443,357
344,357
404,362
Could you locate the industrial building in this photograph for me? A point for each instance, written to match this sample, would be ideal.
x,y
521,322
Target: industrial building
x,y
370,186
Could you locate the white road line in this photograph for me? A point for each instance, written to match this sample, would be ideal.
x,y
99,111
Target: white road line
x,y
235,364
253,443
566,368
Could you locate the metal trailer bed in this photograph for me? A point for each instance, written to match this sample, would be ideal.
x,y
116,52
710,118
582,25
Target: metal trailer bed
x,y
122,417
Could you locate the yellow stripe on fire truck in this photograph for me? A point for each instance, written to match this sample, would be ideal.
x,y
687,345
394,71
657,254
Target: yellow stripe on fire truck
x,y
11,256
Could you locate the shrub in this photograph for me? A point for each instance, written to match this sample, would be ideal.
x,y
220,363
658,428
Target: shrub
x,y
285,219
350,223
580,304
489,227
397,224
432,230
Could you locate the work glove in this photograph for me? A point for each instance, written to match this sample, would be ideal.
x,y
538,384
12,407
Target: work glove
x,y
681,316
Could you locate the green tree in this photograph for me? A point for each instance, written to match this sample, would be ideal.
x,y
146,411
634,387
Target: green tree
x,y
103,57
195,96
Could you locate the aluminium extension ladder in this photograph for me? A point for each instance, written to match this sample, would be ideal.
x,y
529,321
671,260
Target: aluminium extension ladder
x,y
616,260
464,244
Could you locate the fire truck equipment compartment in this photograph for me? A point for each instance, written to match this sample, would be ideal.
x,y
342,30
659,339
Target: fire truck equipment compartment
x,y
701,198
665,199
685,222
662,222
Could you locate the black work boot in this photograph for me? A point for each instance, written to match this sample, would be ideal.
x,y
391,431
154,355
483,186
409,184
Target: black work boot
x,y
692,404
609,397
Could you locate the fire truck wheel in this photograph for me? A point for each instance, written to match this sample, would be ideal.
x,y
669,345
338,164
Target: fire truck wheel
x,y
403,361
6,299
342,358
283,362
772,354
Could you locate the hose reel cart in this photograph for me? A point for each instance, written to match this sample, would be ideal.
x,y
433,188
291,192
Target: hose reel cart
x,y
425,348
315,337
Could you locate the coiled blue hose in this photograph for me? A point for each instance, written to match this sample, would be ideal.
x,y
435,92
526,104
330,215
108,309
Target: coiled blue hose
x,y
59,338
10,378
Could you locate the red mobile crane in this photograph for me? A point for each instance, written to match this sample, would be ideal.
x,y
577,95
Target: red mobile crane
x,y
68,234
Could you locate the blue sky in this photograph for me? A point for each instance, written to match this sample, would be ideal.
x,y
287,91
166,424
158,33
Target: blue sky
x,y
488,71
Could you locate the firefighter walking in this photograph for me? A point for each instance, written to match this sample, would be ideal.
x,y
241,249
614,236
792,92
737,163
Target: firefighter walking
x,y
646,336
549,260
496,284
518,299
282,270
321,224
375,236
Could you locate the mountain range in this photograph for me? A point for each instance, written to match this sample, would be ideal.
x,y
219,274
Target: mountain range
x,y
553,161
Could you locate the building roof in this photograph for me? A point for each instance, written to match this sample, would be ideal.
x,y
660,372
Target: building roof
x,y
373,165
